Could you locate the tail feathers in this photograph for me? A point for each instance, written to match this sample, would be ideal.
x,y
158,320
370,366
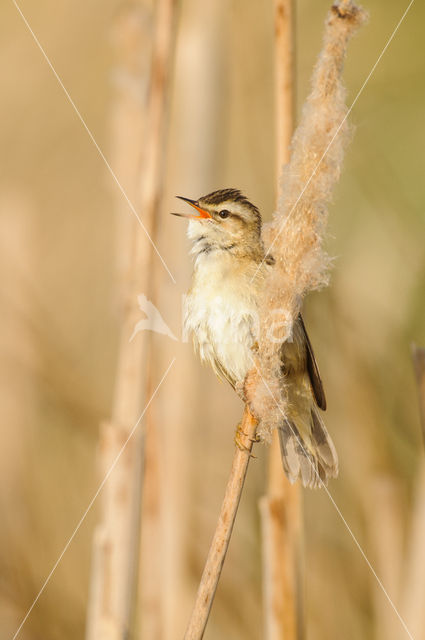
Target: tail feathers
x,y
314,460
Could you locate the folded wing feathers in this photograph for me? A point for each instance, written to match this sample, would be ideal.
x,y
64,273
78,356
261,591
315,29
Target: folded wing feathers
x,y
313,462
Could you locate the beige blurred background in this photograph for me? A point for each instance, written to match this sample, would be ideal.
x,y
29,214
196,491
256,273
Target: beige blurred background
x,y
59,323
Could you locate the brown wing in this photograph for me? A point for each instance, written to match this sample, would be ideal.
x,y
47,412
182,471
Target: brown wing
x,y
313,370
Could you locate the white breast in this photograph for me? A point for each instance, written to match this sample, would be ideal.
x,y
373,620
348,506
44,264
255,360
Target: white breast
x,y
221,312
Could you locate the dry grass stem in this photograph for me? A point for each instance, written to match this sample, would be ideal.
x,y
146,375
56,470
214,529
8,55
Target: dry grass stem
x,y
414,578
221,539
412,597
114,552
116,544
384,525
281,507
150,580
284,61
281,525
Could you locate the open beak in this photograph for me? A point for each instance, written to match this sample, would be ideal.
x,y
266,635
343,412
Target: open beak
x,y
202,214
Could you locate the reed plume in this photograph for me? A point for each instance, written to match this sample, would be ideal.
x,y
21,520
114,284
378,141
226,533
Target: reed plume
x,y
295,236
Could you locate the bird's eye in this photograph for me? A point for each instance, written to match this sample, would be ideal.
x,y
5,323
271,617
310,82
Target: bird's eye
x,y
224,214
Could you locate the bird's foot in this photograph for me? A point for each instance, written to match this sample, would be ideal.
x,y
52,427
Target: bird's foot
x,y
238,439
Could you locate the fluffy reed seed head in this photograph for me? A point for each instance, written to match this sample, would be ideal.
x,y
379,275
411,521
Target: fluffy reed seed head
x,y
295,235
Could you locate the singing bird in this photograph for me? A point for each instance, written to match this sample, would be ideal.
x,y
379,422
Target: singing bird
x,y
221,312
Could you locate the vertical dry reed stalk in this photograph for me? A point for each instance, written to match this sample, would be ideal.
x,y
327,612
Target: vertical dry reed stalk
x,y
384,525
116,543
113,546
413,586
150,579
284,61
412,604
281,506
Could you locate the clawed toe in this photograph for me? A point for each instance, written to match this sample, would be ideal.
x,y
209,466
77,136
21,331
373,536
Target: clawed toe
x,y
238,440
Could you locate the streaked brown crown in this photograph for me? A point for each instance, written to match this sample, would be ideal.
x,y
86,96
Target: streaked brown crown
x,y
227,196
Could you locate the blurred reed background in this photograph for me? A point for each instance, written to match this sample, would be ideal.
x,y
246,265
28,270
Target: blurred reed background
x,y
60,215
